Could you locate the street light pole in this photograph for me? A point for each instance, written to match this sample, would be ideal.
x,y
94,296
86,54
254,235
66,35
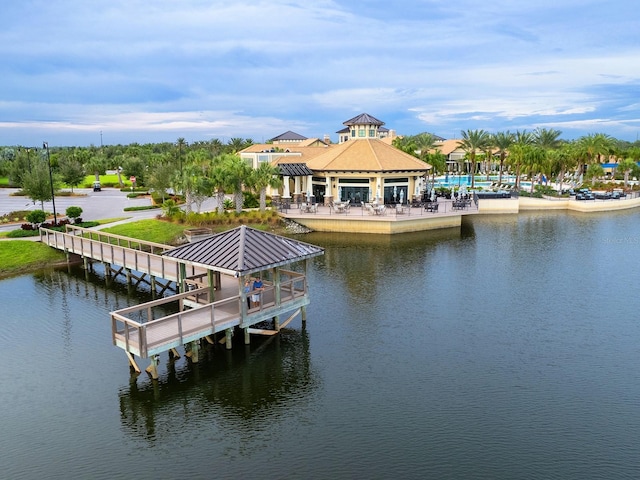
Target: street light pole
x,y
45,145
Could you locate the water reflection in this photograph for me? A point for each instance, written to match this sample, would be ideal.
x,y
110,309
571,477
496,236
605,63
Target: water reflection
x,y
370,267
230,389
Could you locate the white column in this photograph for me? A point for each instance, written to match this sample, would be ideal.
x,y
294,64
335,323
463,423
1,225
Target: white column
x,y
285,190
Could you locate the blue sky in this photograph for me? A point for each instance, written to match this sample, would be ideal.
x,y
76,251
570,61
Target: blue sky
x,y
74,72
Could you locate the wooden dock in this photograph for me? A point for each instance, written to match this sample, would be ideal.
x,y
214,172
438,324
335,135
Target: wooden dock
x,y
117,250
210,299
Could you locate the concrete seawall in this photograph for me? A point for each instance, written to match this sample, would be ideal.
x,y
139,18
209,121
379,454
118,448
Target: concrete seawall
x,y
521,204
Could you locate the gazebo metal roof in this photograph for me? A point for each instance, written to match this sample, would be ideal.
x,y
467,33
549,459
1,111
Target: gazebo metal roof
x,y
289,136
244,251
363,119
294,169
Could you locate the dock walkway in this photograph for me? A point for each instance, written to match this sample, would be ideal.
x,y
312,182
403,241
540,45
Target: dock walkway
x,y
208,302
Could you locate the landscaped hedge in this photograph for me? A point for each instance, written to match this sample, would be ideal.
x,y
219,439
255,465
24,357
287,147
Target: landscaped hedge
x,y
144,207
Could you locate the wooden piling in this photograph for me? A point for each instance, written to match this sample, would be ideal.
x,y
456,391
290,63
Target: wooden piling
x,y
228,333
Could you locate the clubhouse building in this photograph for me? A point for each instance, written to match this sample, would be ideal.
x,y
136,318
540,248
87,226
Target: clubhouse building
x,y
362,167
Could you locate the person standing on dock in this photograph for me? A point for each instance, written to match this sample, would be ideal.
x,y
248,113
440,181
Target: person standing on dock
x,y
257,287
247,291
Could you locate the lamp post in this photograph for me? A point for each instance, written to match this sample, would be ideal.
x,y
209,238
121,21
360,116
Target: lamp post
x,y
45,145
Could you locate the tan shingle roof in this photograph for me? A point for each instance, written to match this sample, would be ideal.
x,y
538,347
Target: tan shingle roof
x,y
370,155
448,146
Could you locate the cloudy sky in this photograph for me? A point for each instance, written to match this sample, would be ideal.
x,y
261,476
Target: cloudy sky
x,y
77,72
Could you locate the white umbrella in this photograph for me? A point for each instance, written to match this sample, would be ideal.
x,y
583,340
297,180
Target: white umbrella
x,y
395,193
401,196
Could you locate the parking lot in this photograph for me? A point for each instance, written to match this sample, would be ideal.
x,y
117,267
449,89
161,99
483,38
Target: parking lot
x,y
108,203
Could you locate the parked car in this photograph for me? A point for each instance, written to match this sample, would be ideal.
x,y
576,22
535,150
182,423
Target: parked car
x,y
603,195
585,196
97,187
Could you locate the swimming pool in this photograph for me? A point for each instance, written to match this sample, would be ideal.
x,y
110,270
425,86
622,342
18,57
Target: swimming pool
x,y
456,181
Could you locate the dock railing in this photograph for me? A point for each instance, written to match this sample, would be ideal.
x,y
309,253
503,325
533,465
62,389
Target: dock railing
x,y
113,249
138,330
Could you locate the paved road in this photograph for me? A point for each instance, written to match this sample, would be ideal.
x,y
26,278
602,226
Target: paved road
x,y
108,203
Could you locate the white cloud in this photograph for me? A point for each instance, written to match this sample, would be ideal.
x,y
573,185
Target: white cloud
x,y
254,68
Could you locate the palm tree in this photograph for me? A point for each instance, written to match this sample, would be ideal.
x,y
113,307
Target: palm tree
x,y
181,144
236,144
502,141
626,166
473,141
562,160
424,143
547,139
406,143
532,161
438,162
594,171
522,139
592,146
96,165
238,174
266,175
488,155
220,179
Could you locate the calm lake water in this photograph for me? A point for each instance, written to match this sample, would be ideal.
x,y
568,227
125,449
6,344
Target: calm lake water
x,y
508,349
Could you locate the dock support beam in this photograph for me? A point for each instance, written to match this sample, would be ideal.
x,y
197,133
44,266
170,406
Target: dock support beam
x,y
152,369
303,310
132,362
193,349
247,337
228,333
153,287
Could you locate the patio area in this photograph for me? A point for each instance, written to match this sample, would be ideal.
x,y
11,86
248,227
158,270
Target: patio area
x,y
378,218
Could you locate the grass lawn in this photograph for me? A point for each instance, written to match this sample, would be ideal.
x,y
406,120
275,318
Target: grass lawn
x,y
21,256
18,256
150,230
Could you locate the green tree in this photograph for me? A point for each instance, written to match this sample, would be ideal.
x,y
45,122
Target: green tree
x,y
594,171
37,184
266,175
74,213
236,144
438,162
71,172
546,139
36,217
97,165
160,178
220,178
503,141
238,174
135,167
472,142
18,166
626,166
181,145
406,143
593,146
562,160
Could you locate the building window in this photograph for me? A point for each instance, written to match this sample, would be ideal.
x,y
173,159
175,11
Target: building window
x,y
353,132
263,158
372,133
361,132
